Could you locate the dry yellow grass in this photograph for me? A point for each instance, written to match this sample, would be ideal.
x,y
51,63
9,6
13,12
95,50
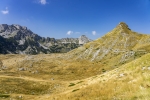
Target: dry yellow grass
x,y
129,82
58,79
114,67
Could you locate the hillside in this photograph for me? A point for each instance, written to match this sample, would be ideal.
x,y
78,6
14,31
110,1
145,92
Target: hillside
x,y
23,41
49,77
119,46
113,67
128,82
121,40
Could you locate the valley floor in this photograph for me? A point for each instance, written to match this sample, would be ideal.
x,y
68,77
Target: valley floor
x,y
55,77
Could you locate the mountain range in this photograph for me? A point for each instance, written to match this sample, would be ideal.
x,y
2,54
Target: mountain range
x,y
113,67
16,39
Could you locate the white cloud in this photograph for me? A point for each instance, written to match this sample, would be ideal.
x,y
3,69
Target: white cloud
x,y
6,11
69,32
43,2
94,32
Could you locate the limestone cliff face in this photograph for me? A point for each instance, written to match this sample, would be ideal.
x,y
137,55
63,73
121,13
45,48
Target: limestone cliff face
x,y
20,40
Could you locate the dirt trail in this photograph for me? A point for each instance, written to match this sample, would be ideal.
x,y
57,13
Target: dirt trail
x,y
26,78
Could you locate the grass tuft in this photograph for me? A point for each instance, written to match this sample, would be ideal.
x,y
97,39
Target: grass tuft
x,y
71,84
4,95
75,90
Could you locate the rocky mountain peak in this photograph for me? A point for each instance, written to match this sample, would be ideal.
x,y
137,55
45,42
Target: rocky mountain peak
x,y
122,26
83,36
18,27
83,39
121,29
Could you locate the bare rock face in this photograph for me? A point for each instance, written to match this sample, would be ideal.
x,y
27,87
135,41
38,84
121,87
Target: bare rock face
x,y
17,26
68,40
3,27
83,39
122,24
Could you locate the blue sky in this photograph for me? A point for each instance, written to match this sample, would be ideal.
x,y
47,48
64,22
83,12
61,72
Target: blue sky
x,y
73,18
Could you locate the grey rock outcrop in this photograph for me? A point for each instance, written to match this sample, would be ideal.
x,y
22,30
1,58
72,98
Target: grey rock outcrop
x,y
83,39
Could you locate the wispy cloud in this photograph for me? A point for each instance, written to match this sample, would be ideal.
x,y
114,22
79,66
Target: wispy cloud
x,y
94,32
43,2
6,11
69,32
77,32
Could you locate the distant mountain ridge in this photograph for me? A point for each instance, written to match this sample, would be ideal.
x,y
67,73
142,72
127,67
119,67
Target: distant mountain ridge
x,y
20,40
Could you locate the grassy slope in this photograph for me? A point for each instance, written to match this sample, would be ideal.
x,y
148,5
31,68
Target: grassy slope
x,y
119,41
128,82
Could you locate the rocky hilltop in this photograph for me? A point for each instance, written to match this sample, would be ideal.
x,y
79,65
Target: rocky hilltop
x,y
21,40
118,46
